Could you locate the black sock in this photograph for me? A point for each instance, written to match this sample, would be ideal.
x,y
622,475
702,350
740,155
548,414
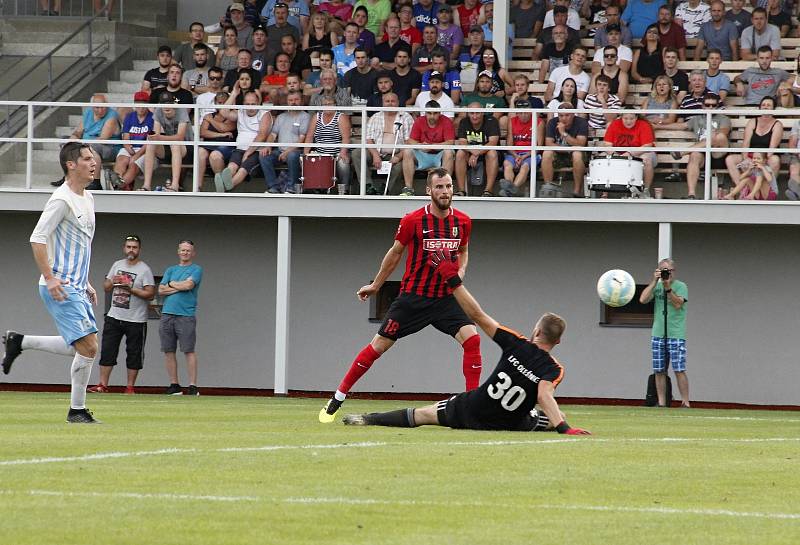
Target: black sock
x,y
402,418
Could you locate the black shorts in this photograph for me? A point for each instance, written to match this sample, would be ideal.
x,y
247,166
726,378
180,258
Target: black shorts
x,y
456,413
135,334
410,313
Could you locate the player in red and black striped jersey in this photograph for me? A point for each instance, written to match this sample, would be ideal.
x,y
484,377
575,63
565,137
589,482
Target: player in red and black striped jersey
x,y
525,375
425,298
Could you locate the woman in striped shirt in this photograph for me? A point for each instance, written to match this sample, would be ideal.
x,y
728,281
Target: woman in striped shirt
x,y
327,130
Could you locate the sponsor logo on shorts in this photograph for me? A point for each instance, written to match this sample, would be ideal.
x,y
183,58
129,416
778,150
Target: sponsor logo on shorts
x,y
86,324
436,244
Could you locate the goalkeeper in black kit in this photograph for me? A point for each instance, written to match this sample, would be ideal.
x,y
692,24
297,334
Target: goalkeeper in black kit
x,y
526,375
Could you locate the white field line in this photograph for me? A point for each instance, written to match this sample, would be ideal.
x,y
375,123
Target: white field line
x,y
376,444
407,503
687,416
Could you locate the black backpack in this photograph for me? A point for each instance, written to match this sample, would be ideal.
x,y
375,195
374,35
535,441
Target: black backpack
x,y
651,399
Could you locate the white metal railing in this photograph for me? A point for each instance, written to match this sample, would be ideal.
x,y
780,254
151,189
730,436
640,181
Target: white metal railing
x,y
362,110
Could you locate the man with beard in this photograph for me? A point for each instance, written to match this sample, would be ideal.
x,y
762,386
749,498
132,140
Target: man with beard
x,y
156,78
179,94
406,82
130,282
425,298
196,79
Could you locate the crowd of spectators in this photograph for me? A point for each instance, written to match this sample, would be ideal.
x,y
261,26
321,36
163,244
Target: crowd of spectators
x,y
439,57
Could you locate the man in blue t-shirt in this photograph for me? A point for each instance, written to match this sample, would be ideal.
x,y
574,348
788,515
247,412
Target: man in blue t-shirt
x,y
137,126
178,288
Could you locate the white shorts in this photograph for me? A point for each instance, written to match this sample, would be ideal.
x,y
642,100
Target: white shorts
x,y
140,161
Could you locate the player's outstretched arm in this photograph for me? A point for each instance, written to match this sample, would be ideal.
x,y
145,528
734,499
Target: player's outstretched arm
x,y
388,265
549,405
449,270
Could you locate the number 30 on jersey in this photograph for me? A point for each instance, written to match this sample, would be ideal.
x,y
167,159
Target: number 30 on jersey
x,y
510,396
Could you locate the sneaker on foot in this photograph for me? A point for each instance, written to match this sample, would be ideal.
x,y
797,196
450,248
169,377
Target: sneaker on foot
x,y
407,192
13,342
81,416
174,390
193,391
129,390
99,389
328,413
354,420
218,185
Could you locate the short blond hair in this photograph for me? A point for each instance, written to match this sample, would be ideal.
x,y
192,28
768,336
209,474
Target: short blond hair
x,y
551,327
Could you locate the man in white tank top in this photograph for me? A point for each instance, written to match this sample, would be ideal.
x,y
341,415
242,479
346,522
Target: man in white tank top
x,y
252,125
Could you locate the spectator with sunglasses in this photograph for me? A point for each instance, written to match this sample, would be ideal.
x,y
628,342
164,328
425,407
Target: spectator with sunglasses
x,y
131,285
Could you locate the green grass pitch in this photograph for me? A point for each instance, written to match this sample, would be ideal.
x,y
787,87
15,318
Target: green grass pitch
x,y
236,470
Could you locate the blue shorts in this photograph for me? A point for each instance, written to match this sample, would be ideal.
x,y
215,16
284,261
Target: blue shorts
x,y
74,316
511,156
677,354
226,151
428,160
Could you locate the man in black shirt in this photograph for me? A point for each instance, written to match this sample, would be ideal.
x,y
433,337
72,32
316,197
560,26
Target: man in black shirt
x,y
526,374
407,82
385,85
477,130
156,78
244,61
361,79
384,53
174,82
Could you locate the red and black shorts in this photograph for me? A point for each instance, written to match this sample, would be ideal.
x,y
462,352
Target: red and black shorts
x,y
410,313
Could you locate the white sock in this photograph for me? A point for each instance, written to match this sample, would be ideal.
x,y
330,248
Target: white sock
x,y
81,370
339,396
53,343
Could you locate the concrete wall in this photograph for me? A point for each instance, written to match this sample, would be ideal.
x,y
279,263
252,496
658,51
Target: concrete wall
x,y
207,11
742,309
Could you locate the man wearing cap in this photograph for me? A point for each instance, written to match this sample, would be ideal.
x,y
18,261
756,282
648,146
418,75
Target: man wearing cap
x,y
195,80
436,94
279,29
424,56
260,54
131,285
136,127
184,53
156,78
452,79
429,129
477,131
484,97
298,13
565,130
384,53
449,34
244,29
384,129
406,82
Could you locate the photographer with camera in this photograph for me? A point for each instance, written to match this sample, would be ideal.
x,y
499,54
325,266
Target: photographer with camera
x,y
669,329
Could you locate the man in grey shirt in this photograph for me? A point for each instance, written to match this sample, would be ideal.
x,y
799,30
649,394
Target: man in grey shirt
x,y
289,128
718,33
184,53
759,34
131,284
195,79
762,81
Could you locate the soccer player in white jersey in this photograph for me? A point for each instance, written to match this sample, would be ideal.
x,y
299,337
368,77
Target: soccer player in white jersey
x,y
62,247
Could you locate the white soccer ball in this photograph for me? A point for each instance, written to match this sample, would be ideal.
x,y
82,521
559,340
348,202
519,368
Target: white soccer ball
x,y
616,288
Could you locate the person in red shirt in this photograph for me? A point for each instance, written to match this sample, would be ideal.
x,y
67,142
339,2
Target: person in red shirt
x,y
432,128
670,33
425,297
517,162
469,14
409,32
630,131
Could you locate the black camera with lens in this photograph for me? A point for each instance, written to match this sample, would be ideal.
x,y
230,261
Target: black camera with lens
x,y
665,274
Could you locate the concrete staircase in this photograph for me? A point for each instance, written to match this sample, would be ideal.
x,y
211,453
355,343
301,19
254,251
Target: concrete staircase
x,y
131,52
